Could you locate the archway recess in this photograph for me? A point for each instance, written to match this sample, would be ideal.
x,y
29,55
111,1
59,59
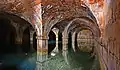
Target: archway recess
x,y
14,32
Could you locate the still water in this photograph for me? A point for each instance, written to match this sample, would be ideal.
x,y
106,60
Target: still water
x,y
72,61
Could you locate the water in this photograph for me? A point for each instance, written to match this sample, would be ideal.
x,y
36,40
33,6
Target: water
x,y
71,61
21,61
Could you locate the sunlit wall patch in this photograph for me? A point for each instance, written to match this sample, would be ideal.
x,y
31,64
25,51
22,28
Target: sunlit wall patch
x,y
108,2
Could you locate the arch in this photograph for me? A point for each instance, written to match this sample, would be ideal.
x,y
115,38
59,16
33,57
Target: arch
x,y
12,33
91,25
48,27
51,42
76,11
16,18
77,29
74,32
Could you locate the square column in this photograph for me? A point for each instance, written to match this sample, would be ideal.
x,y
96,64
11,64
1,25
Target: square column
x,y
65,48
42,52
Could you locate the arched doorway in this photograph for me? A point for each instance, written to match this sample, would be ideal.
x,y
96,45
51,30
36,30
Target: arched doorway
x,y
51,41
11,40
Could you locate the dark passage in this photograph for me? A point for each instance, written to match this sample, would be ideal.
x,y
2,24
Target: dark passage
x,y
7,37
26,41
11,58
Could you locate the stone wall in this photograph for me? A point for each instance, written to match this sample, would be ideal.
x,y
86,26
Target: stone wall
x,y
112,33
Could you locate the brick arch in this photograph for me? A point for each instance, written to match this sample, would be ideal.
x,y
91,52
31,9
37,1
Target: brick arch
x,y
48,27
20,24
85,23
55,13
17,18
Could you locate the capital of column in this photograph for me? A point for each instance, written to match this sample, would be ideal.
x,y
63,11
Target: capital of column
x,y
42,37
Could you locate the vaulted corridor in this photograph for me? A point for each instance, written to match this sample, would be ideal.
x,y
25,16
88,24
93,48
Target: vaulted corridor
x,y
59,35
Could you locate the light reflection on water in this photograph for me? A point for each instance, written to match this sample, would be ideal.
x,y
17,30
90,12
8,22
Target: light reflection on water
x,y
18,62
73,61
70,61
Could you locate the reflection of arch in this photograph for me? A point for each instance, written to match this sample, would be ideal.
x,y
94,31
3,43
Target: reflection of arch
x,y
7,36
26,41
51,42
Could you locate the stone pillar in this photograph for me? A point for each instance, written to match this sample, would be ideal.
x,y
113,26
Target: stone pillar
x,y
55,30
73,41
42,38
42,47
65,43
31,41
65,46
42,52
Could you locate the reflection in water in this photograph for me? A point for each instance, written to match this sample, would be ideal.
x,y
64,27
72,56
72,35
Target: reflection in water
x,y
73,61
70,60
67,61
18,62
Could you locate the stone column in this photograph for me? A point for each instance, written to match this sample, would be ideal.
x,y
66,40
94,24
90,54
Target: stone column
x,y
42,52
31,41
65,46
65,43
73,41
55,30
42,47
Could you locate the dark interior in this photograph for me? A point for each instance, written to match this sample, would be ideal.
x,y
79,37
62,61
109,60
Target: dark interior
x,y
26,41
51,41
7,37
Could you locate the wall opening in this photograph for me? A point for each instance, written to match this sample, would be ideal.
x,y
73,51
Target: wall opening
x,y
51,42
